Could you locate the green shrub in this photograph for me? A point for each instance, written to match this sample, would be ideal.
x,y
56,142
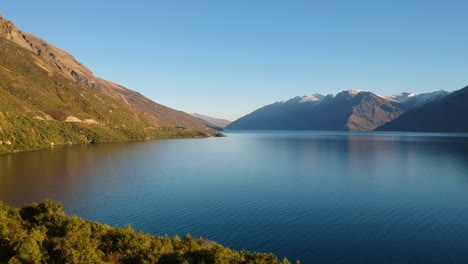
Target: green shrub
x,y
42,233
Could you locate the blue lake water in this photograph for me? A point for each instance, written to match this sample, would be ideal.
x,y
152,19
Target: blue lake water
x,y
320,197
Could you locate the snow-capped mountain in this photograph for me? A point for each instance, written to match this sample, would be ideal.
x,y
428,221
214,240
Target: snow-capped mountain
x,y
358,110
348,110
401,97
447,114
314,98
411,101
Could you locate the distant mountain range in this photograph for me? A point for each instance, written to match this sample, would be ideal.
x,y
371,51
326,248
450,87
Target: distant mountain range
x,y
213,122
352,110
47,97
445,115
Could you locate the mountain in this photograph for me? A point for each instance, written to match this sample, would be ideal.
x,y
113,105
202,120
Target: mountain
x,y
411,101
213,121
47,97
349,110
444,115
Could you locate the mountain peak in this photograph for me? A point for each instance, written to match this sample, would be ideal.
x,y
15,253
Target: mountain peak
x,y
316,97
311,98
356,92
403,96
413,100
348,94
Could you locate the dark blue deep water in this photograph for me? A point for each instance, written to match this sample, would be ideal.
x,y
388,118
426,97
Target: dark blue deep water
x,y
320,197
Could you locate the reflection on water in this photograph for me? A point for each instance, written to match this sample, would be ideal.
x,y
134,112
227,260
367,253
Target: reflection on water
x,y
325,197
61,173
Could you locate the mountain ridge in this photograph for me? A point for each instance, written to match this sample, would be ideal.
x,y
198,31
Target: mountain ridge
x,y
442,115
47,97
411,101
75,70
352,110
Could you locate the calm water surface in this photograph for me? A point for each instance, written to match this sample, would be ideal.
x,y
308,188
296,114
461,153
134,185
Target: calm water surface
x,y
321,197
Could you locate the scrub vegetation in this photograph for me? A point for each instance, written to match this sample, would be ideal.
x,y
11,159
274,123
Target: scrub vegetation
x,y
43,233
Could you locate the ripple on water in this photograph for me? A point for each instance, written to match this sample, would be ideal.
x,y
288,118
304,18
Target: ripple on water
x,y
321,197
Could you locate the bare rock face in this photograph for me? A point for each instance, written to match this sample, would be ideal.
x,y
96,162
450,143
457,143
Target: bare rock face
x,y
371,111
61,59
72,119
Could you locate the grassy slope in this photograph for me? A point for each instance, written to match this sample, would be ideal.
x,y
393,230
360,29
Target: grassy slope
x,y
42,233
36,97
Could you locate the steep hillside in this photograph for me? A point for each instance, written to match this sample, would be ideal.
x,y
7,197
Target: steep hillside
x,y
348,110
47,97
445,115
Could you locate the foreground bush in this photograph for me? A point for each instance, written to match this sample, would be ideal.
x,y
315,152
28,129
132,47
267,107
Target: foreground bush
x,y
42,233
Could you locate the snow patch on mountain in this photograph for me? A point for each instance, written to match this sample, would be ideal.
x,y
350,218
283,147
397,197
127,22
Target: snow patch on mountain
x,y
311,98
414,100
304,99
355,92
401,97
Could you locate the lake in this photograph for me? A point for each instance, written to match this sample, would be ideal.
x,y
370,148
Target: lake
x,y
320,197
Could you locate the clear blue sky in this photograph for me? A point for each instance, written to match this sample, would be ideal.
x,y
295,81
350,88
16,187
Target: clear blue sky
x,y
227,58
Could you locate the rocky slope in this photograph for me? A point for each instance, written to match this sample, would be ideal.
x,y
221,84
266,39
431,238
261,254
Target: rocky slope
x,y
445,115
348,110
48,97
